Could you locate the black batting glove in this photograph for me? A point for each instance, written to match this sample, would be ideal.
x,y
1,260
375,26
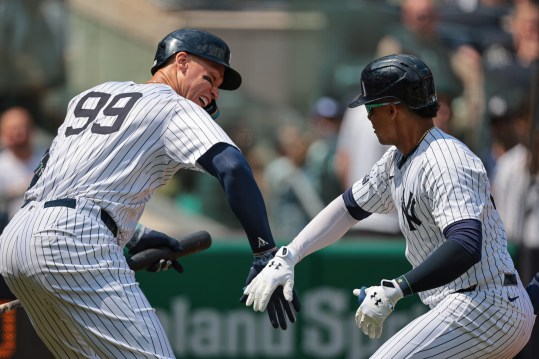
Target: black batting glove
x,y
144,238
279,309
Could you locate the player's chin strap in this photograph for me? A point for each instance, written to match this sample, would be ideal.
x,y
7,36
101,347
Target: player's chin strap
x,y
212,109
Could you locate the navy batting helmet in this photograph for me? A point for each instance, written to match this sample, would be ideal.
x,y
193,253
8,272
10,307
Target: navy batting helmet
x,y
200,43
403,77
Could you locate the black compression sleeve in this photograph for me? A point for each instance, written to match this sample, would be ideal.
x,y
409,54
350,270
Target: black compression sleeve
x,y
229,166
448,262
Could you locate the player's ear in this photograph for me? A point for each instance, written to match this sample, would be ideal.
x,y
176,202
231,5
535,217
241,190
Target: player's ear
x,y
181,59
392,109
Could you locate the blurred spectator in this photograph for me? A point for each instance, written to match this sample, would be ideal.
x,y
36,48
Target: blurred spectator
x,y
510,179
477,23
18,159
358,150
326,118
32,61
515,187
418,34
509,70
474,29
292,198
512,66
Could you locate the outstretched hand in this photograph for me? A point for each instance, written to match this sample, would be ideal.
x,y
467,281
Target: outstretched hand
x,y
278,300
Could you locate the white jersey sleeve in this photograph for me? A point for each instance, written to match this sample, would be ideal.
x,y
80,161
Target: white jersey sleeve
x,y
191,133
373,192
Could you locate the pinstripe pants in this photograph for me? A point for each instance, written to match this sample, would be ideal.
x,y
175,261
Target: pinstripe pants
x,y
478,324
66,268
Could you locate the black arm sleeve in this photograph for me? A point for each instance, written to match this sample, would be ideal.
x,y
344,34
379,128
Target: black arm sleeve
x,y
454,257
229,166
355,211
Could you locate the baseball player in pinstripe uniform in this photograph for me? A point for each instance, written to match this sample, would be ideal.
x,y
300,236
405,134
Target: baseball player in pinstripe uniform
x,y
62,254
455,239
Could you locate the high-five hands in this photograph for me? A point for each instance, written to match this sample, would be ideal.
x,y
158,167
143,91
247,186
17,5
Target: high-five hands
x,y
273,288
375,304
278,271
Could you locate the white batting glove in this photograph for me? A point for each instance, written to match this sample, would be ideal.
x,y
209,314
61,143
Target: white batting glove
x,y
375,304
278,271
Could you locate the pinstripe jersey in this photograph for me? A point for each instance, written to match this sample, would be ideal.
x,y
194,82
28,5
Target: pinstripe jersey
x,y
121,141
439,183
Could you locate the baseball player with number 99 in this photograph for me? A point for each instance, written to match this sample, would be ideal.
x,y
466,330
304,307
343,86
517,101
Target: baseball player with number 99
x,y
455,240
62,253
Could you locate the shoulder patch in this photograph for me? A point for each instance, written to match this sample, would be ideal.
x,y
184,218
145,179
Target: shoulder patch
x,y
365,179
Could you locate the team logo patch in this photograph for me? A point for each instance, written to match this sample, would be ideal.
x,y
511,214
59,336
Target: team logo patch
x,y
365,180
261,242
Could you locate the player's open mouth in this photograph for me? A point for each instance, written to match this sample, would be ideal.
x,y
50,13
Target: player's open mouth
x,y
205,101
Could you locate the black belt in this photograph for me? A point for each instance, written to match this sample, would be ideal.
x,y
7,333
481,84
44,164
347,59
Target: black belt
x,y
508,279
72,203
465,290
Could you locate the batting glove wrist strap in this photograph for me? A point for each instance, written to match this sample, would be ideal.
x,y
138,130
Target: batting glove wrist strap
x,y
279,306
392,290
288,255
278,271
404,285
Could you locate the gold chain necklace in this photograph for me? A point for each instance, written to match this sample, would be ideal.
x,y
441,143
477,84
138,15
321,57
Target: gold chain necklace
x,y
422,137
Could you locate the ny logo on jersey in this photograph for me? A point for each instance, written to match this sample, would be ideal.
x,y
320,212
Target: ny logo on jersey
x,y
408,209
